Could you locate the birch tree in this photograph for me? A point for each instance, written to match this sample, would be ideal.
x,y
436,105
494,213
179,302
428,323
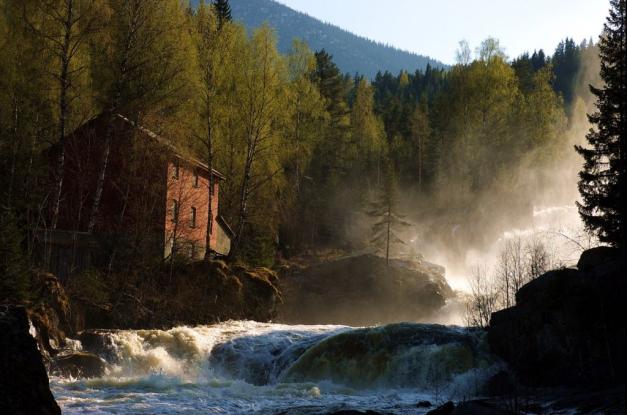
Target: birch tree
x,y
140,60
260,102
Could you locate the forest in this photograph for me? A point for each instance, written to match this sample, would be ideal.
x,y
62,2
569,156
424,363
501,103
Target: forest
x,y
195,219
315,158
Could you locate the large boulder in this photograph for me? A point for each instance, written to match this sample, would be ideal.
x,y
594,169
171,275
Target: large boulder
x,y
363,290
24,387
568,325
78,365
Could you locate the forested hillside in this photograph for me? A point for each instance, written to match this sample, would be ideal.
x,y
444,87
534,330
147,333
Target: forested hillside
x,y
313,158
352,54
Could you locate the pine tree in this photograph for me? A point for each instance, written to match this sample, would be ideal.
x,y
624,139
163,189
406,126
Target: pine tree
x,y
388,222
602,180
223,11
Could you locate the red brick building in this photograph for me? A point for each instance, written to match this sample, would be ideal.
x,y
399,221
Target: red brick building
x,y
154,197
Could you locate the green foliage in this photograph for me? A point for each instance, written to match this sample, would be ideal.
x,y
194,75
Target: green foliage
x,y
91,285
303,145
602,180
259,247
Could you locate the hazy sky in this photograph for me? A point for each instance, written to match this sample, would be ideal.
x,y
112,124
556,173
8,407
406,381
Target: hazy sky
x,y
434,27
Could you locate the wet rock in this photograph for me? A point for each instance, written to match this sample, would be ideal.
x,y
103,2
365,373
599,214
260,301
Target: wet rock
x,y
567,327
423,404
97,342
24,387
445,409
79,365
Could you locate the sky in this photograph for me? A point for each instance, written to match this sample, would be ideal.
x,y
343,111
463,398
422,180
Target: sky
x,y
435,27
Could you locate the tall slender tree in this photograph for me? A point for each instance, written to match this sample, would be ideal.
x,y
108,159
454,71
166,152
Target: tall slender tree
x,y
602,181
384,210
140,68
66,26
260,100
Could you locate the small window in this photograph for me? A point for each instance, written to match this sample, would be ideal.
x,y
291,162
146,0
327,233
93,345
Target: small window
x,y
177,168
193,218
175,211
195,178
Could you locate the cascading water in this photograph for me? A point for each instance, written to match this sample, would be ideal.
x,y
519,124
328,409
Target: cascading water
x,y
249,367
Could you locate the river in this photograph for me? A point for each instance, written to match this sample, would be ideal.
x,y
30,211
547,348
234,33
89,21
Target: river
x,y
243,367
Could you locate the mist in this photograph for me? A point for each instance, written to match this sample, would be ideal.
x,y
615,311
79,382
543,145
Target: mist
x,y
462,241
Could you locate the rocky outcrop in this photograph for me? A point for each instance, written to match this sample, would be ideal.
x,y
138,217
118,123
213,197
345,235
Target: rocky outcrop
x,y
78,365
363,290
49,312
568,325
24,387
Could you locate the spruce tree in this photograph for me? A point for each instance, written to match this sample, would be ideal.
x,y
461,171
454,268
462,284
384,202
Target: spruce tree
x,y
602,180
384,210
223,11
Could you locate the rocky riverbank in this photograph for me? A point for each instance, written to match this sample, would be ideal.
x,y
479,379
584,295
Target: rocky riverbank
x,y
188,294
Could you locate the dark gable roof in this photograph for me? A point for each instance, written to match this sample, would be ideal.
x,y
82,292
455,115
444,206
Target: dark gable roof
x,y
170,146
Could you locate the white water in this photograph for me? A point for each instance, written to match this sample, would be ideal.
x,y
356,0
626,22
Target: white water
x,y
558,228
242,367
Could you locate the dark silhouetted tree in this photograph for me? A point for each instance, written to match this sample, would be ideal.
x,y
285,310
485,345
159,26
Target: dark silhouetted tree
x,y
602,180
384,210
223,11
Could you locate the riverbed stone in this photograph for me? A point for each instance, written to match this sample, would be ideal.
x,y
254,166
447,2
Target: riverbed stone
x,y
79,365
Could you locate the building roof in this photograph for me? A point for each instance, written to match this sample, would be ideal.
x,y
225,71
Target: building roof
x,y
225,226
169,145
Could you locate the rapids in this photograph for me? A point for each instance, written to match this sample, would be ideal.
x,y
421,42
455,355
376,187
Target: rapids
x,y
240,367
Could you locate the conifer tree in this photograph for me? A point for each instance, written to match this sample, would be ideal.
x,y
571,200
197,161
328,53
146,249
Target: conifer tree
x,y
223,11
602,181
384,209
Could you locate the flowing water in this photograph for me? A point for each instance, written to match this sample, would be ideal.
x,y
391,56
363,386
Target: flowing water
x,y
242,367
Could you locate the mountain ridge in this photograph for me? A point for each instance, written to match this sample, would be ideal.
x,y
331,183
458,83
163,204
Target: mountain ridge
x,y
352,53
